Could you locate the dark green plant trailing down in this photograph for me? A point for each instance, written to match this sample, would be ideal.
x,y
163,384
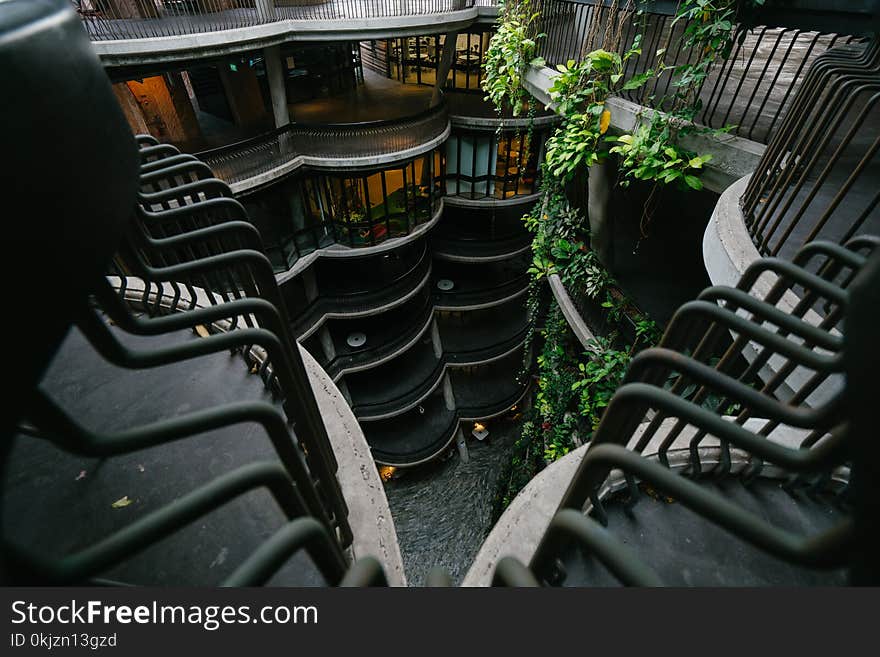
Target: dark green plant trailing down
x,y
574,385
511,51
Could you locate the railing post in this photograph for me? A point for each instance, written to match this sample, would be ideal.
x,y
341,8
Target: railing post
x,y
265,10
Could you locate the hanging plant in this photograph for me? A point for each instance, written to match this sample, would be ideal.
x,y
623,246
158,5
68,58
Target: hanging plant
x,y
511,51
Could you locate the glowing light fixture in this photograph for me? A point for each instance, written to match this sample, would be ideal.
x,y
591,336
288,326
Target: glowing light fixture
x,y
386,472
480,431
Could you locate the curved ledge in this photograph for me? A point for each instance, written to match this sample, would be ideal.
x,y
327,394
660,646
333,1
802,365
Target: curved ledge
x,y
365,305
468,301
342,251
252,164
569,310
365,360
480,251
445,420
124,52
728,251
448,361
523,524
369,514
462,202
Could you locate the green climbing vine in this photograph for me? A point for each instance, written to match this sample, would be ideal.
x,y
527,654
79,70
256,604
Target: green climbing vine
x,y
511,51
574,383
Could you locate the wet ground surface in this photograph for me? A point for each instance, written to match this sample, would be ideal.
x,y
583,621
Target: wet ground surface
x,y
443,511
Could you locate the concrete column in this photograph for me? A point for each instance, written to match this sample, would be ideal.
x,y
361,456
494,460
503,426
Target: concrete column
x,y
461,443
448,394
164,106
600,183
243,94
310,283
435,339
327,342
277,86
444,65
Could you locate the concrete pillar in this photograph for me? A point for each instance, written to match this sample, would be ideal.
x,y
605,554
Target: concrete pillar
x,y
310,283
165,108
600,183
243,94
448,394
435,339
277,86
327,342
461,443
444,66
130,108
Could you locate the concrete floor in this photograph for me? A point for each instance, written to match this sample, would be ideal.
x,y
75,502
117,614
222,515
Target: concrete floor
x,y
56,503
686,550
443,511
377,99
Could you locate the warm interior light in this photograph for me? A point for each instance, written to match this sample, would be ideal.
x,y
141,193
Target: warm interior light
x,y
478,426
386,472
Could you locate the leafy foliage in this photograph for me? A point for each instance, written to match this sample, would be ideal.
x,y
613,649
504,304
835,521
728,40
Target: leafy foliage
x,y
511,51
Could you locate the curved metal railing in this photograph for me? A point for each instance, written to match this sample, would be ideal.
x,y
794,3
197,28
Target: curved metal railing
x,y
107,20
675,403
751,89
258,155
818,176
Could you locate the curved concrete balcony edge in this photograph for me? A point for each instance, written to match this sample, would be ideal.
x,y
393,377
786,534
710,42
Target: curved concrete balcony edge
x,y
298,161
728,250
371,364
484,123
449,256
445,366
732,157
342,251
569,310
521,526
500,409
369,513
372,310
488,203
485,304
126,52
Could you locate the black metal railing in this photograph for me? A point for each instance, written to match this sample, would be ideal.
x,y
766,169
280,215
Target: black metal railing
x,y
697,414
750,89
107,20
818,176
192,261
258,155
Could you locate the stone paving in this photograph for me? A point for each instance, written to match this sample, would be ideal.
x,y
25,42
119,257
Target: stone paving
x,y
443,511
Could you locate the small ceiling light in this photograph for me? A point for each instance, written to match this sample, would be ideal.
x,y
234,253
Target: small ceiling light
x,y
480,431
386,472
445,284
356,339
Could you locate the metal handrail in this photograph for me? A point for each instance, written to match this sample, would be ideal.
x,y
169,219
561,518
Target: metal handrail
x,y
621,441
107,20
257,155
816,180
750,89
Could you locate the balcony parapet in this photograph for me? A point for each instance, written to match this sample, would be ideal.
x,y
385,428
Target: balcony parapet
x,y
253,163
186,29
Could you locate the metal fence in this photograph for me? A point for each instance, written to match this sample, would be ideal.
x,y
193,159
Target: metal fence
x,y
681,413
263,153
818,177
751,89
192,260
106,20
